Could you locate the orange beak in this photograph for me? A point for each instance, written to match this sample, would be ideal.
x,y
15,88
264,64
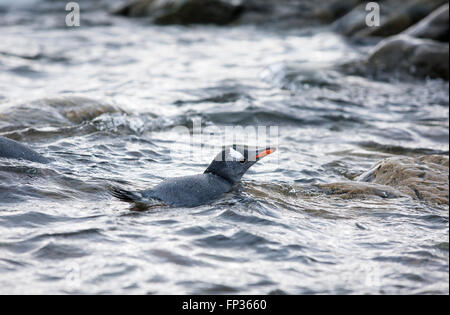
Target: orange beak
x,y
264,153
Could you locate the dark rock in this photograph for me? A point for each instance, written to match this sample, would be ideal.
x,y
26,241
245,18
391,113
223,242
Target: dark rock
x,y
434,26
405,14
280,13
395,17
420,58
423,58
355,20
184,12
285,14
294,13
329,11
137,8
289,13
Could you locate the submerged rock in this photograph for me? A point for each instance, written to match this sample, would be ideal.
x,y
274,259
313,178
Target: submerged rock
x,y
422,178
79,109
185,12
434,26
14,150
403,54
54,111
350,190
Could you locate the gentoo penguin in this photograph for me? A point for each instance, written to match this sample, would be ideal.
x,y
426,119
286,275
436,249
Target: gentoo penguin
x,y
225,170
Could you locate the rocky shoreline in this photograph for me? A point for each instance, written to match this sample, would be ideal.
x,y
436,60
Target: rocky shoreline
x,y
415,31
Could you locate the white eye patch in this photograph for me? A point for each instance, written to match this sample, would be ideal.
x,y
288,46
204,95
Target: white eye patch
x,y
236,155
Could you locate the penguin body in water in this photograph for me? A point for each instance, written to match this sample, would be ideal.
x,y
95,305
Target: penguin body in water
x,y
225,170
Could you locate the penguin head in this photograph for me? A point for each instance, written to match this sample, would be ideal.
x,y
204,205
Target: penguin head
x,y
235,160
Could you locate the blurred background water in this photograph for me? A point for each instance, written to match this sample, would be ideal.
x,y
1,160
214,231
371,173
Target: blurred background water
x,y
102,100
